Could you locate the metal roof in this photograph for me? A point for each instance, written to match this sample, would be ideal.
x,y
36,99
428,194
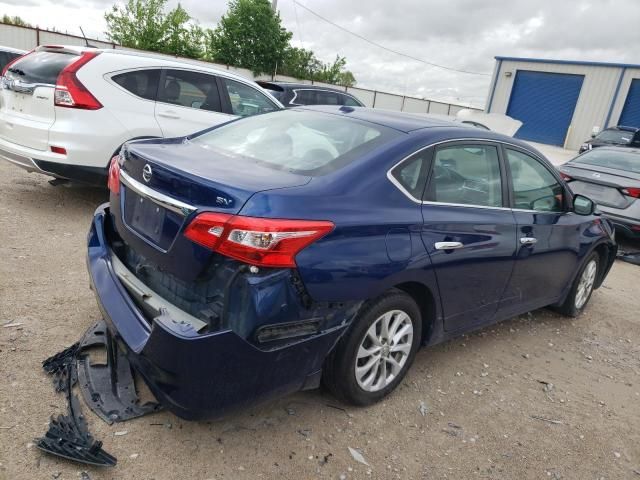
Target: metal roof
x,y
569,62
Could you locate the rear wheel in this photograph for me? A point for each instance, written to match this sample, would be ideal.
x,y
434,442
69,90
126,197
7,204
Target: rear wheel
x,y
372,358
582,287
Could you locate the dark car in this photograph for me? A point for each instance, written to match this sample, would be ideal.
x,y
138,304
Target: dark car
x,y
297,94
610,176
8,55
256,258
619,136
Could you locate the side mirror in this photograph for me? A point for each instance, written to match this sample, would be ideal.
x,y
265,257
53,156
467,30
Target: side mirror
x,y
593,134
583,205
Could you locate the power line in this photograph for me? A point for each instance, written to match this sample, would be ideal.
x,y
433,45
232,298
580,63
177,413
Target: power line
x,y
298,25
444,67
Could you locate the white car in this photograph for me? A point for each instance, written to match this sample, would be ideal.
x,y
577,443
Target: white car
x,y
66,111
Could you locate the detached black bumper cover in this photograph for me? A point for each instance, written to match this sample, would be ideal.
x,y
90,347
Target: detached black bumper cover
x,y
198,375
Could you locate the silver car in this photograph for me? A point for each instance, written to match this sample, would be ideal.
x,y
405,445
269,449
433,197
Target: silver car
x,y
610,176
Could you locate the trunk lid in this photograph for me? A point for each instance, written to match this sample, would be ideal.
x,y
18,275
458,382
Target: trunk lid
x,y
27,108
602,184
164,182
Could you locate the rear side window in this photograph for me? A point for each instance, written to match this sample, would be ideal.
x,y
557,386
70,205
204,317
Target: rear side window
x,y
309,143
190,89
466,175
411,175
142,83
247,101
40,67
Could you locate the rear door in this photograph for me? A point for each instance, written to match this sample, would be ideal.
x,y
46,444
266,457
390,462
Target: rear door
x,y
27,108
469,231
548,235
188,101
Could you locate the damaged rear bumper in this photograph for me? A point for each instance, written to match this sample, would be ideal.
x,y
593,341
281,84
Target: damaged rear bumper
x,y
198,375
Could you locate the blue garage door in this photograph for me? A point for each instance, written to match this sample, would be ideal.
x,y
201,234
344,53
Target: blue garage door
x,y
631,110
544,103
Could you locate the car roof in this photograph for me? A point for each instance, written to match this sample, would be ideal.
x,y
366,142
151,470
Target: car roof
x,y
292,85
414,122
167,60
624,128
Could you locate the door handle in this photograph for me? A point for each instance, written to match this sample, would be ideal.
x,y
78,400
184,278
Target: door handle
x,y
448,245
528,241
169,114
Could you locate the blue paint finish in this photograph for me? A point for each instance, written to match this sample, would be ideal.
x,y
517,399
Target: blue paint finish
x,y
382,240
494,85
630,115
544,103
615,98
568,62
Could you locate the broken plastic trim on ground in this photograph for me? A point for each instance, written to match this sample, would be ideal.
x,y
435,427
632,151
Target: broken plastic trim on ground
x,y
108,389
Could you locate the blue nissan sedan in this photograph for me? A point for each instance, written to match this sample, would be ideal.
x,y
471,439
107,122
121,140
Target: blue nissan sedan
x,y
327,244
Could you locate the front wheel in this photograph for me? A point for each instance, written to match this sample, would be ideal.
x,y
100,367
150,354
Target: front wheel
x,y
582,287
372,358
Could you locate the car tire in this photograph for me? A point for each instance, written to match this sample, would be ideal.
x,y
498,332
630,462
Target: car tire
x,y
582,287
367,379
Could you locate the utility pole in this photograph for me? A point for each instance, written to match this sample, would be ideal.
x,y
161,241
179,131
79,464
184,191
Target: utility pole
x,y
274,5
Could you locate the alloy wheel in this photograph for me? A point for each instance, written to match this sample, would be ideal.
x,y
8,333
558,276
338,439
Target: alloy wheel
x,y
585,285
384,350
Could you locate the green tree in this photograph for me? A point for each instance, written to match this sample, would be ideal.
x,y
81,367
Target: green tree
x,y
145,25
15,20
250,35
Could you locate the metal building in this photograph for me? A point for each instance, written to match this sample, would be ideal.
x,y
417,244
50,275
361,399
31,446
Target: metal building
x,y
561,102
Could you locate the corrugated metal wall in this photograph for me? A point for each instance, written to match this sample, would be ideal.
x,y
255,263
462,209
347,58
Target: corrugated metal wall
x,y
28,38
596,99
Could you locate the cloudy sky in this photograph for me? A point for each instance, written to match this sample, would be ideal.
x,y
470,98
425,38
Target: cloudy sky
x,y
461,34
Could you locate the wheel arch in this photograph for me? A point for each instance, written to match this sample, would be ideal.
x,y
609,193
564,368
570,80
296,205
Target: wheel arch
x,y
426,301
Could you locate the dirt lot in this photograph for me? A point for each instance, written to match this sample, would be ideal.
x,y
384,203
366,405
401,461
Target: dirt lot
x,y
487,413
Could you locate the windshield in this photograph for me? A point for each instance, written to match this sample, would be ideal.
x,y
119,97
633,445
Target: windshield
x,y
304,142
615,136
601,157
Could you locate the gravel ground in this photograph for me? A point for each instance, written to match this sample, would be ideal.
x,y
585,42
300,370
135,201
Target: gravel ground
x,y
538,396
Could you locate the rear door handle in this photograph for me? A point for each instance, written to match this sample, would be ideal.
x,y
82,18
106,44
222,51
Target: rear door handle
x,y
169,114
448,245
528,241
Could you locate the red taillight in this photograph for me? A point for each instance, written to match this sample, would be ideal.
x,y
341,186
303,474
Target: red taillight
x,y
8,65
565,177
632,192
114,175
60,150
265,242
70,92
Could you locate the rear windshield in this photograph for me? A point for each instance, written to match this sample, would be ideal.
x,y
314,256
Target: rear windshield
x,y
627,161
309,143
40,67
615,136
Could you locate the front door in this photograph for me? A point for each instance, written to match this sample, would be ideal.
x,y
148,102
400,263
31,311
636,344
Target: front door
x,y
548,235
469,231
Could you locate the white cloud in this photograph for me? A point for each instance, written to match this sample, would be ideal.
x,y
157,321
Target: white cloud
x,y
463,34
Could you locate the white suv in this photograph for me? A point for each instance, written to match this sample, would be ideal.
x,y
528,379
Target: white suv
x,y
65,111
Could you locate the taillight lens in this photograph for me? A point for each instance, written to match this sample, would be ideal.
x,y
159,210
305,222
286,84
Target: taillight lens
x,y
70,92
632,192
114,175
8,65
264,242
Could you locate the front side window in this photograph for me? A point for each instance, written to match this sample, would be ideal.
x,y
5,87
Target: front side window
x,y
309,143
141,83
247,101
327,98
190,89
466,175
351,102
534,186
